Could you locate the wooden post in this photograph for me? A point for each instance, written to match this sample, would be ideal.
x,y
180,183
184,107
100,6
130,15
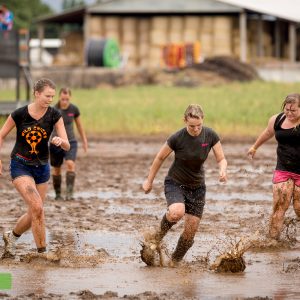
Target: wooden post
x,y
243,36
260,37
41,36
292,42
86,34
277,39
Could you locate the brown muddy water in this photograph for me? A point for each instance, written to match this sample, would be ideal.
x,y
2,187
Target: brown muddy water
x,y
94,241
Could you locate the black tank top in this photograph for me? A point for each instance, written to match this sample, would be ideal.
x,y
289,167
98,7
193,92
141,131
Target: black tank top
x,y
288,149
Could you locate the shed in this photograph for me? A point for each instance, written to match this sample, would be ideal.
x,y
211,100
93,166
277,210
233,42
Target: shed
x,y
252,31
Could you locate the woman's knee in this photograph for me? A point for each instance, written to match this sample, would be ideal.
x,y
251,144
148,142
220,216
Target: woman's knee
x,y
34,201
175,212
37,210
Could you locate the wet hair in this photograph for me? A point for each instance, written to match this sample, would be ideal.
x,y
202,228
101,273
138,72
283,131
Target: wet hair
x,y
40,85
65,90
291,99
193,111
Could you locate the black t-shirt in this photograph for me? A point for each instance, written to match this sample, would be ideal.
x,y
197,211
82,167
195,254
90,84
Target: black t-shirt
x,y
69,115
190,155
288,149
32,135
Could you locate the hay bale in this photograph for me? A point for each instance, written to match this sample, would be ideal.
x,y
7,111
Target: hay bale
x,y
191,22
95,26
176,24
158,38
222,32
160,23
190,36
111,23
175,37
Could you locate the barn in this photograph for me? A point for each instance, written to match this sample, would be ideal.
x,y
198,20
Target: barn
x,y
253,31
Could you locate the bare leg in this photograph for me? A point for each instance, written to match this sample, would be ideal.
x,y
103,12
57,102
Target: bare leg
x,y
33,196
282,195
296,200
70,164
56,171
186,239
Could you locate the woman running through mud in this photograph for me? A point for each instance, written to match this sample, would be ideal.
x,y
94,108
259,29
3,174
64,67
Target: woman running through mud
x,y
286,179
185,182
70,113
29,166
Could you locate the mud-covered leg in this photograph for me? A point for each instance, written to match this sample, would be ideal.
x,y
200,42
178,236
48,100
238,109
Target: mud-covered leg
x,y
282,195
186,239
57,186
296,201
70,180
165,226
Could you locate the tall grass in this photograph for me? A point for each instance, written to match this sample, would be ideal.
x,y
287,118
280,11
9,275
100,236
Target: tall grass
x,y
237,109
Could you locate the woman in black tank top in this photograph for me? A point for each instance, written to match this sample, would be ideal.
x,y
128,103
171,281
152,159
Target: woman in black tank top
x,y
286,179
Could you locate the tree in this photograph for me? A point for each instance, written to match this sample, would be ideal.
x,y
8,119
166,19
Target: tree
x,y
67,4
26,11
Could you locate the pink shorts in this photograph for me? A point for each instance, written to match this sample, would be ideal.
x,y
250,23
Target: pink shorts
x,y
282,176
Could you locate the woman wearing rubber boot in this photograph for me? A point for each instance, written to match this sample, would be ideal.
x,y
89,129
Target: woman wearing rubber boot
x,y
285,126
185,182
29,165
70,113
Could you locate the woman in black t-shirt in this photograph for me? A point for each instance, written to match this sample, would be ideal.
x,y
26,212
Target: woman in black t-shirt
x,y
185,183
286,179
71,115
29,167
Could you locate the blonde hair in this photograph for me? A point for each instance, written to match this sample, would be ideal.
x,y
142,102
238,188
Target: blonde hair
x,y
291,99
40,84
193,111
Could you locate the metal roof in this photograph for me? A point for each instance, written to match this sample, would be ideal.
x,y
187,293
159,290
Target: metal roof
x,y
284,9
73,15
162,6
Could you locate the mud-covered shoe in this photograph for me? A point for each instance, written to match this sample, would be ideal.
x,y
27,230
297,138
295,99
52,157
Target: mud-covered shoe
x,y
9,244
58,197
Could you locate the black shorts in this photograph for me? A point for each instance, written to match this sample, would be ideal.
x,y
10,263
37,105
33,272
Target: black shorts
x,y
192,198
57,154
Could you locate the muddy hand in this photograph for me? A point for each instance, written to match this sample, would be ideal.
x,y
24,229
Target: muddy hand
x,y
223,176
57,141
147,186
251,152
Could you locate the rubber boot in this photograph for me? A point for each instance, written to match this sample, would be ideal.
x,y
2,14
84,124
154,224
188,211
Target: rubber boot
x,y
57,186
165,226
70,179
182,247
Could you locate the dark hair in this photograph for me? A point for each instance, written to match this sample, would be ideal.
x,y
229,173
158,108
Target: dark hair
x,y
65,90
291,99
40,84
193,111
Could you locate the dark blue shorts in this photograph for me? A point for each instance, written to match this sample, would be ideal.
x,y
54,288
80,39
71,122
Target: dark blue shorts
x,y
192,198
57,154
40,174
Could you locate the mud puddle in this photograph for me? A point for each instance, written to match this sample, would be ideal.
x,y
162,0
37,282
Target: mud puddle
x,y
97,236
189,280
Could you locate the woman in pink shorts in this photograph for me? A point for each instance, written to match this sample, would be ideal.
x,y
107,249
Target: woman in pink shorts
x,y
286,180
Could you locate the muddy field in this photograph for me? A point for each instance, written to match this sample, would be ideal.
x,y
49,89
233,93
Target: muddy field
x,y
95,239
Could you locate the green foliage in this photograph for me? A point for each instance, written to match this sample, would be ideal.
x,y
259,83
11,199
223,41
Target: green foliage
x,y
233,110
72,3
25,11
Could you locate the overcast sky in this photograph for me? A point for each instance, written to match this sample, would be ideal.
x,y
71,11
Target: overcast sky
x,y
56,5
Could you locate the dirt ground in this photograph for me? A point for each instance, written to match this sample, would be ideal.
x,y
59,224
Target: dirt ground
x,y
94,241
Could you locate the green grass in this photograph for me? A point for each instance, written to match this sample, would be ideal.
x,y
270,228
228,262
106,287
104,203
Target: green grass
x,y
233,110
